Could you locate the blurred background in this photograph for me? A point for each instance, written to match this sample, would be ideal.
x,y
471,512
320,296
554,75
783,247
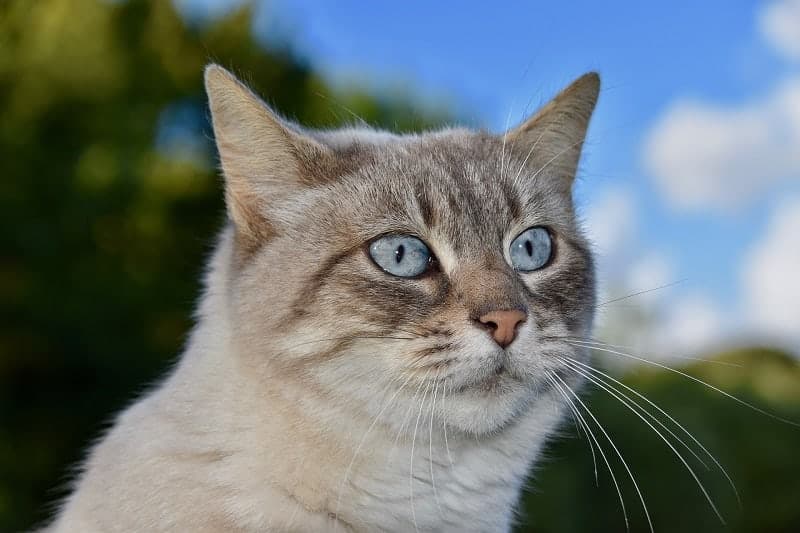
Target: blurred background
x,y
690,189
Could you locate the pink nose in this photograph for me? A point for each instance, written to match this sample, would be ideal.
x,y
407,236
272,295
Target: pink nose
x,y
503,325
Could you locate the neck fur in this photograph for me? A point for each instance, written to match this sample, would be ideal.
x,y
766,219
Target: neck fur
x,y
281,437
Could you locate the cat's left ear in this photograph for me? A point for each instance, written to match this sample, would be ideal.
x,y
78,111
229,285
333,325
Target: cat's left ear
x,y
550,141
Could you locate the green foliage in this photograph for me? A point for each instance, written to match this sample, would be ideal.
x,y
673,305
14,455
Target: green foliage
x,y
759,453
109,202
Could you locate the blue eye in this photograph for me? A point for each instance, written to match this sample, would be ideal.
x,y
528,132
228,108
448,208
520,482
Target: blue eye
x,y
531,249
400,255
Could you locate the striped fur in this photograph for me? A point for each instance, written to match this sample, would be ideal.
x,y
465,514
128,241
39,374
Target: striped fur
x,y
317,392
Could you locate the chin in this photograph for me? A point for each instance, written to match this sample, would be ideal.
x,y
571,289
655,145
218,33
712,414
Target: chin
x,y
490,404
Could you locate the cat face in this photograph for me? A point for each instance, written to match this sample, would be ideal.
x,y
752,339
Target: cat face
x,y
380,269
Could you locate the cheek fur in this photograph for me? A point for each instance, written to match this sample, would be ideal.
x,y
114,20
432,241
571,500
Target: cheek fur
x,y
565,292
380,300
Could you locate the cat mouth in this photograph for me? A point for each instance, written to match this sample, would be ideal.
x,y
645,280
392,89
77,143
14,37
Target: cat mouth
x,y
493,381
504,377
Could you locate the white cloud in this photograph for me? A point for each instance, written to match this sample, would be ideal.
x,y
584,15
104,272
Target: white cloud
x,y
771,276
644,317
624,315
693,323
629,294
673,330
707,156
779,23
611,223
650,273
666,326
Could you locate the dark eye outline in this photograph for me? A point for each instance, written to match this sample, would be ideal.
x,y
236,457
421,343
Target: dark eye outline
x,y
553,249
431,267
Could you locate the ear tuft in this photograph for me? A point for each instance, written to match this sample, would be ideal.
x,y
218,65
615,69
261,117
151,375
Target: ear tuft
x,y
552,138
216,77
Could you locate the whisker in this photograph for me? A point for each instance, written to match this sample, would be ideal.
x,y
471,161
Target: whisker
x,y
639,293
425,331
594,457
524,111
618,396
430,450
695,379
614,446
671,419
351,338
444,427
570,363
535,144
550,161
580,425
411,463
345,108
505,135
685,357
407,416
577,413
366,433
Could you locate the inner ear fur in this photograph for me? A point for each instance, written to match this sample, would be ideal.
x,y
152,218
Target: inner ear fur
x,y
261,154
554,135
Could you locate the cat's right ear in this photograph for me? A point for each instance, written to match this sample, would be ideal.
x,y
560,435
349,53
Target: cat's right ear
x,y
260,153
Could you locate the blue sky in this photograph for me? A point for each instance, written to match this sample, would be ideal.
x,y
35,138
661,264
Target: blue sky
x,y
689,167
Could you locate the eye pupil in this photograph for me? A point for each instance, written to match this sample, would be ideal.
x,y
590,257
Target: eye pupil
x,y
405,256
531,249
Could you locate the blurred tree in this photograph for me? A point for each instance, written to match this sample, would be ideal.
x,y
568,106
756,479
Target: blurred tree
x,y
758,452
108,206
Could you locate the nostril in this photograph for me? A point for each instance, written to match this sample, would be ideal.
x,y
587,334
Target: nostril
x,y
490,326
502,325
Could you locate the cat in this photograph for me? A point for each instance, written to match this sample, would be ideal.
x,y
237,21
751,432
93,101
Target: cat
x,y
377,347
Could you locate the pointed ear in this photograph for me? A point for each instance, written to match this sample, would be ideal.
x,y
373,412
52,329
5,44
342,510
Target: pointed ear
x,y
261,155
551,140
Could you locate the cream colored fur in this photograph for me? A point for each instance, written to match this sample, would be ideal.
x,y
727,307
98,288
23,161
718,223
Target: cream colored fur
x,y
211,450
257,430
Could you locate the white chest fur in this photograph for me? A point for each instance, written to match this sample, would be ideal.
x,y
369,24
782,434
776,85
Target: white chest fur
x,y
431,484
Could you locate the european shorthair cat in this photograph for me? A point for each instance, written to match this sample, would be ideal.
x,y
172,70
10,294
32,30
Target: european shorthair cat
x,y
381,341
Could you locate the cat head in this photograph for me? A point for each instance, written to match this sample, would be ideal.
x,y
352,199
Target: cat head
x,y
367,265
